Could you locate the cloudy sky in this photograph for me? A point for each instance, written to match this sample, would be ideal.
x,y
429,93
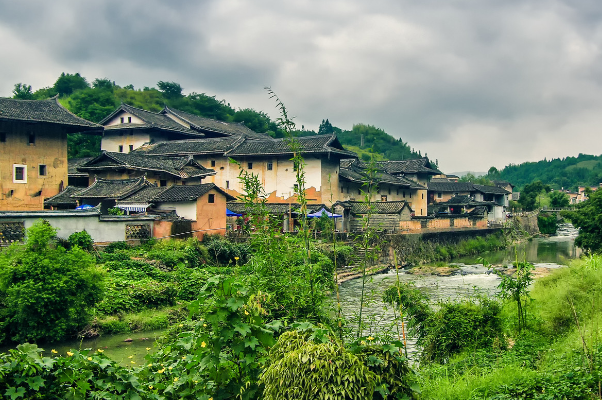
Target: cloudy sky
x,y
472,83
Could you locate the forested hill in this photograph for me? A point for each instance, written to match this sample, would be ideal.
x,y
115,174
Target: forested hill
x,y
567,173
94,101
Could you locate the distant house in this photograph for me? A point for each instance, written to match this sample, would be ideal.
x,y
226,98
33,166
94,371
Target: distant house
x,y
355,174
420,170
385,216
33,145
162,171
75,177
468,205
442,189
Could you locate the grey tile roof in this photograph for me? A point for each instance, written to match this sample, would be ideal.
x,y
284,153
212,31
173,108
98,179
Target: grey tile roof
x,y
212,126
478,211
49,110
144,195
191,146
318,144
186,193
490,189
419,165
152,120
277,208
64,198
182,167
464,200
451,186
74,163
378,207
112,188
358,172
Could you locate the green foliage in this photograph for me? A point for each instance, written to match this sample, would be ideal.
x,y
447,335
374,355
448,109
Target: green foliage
x,y
67,84
111,247
479,180
171,90
81,239
300,369
588,218
46,292
23,92
377,140
559,199
225,252
530,196
547,223
115,211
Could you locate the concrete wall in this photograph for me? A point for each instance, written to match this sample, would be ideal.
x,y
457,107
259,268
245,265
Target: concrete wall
x,y
49,149
112,139
185,209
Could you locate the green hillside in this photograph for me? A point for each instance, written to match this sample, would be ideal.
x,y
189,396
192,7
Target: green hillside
x,y
567,173
94,101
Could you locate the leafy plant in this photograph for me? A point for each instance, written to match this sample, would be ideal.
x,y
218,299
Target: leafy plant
x,y
82,239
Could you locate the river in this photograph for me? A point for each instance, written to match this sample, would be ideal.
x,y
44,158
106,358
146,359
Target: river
x,y
472,277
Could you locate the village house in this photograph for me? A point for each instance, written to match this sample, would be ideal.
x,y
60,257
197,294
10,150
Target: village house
x,y
162,171
420,170
33,144
384,216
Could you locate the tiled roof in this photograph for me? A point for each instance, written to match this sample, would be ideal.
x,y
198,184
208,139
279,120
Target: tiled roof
x,y
212,126
183,167
144,195
191,146
277,208
490,189
479,210
151,120
450,186
378,207
357,171
49,110
64,197
186,193
318,144
112,188
74,163
419,165
464,200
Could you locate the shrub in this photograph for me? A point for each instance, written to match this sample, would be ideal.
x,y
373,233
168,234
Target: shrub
x,y
46,292
224,252
547,224
81,239
111,247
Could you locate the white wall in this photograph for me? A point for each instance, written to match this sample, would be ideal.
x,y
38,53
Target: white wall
x,y
185,209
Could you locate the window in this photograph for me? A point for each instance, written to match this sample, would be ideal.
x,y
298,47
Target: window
x,y
213,163
404,194
383,197
398,191
439,195
296,187
32,139
121,148
122,120
211,198
2,137
129,120
423,196
359,191
342,189
270,166
19,173
227,184
162,182
389,190
250,165
131,147
42,169
410,195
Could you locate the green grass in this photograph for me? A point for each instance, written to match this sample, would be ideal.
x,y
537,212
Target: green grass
x,y
589,164
146,320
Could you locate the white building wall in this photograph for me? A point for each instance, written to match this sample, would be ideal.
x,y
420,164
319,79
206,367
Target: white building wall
x,y
185,209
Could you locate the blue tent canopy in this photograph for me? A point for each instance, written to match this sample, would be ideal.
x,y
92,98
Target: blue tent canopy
x,y
232,214
323,211
84,207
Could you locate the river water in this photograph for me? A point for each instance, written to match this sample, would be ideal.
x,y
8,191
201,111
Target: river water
x,y
471,278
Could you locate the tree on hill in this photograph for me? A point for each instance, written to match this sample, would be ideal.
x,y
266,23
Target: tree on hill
x,y
66,84
23,92
529,196
325,128
559,199
480,180
171,90
588,218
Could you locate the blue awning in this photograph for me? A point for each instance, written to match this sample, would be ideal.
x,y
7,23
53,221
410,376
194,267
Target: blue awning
x,y
323,211
232,214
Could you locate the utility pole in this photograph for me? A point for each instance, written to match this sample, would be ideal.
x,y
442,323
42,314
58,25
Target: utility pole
x,y
362,141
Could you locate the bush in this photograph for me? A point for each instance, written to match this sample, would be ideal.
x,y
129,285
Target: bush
x,y
47,293
81,239
547,224
111,247
224,252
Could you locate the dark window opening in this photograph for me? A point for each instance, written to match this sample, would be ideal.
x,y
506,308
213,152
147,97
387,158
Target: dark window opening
x,y
131,147
131,133
359,191
42,169
10,193
19,173
3,137
410,195
250,165
227,184
213,163
422,195
383,197
122,120
183,183
37,194
129,120
32,138
211,198
439,195
162,182
389,190
120,148
342,189
404,194
270,166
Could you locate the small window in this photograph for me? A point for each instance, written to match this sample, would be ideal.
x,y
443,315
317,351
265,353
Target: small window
x,y
250,165
19,173
129,120
270,166
120,148
410,195
389,190
383,197
359,191
213,163
131,147
423,196
296,187
32,139
404,194
227,184
398,191
439,195
42,169
211,198
2,137
122,120
162,182
342,189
